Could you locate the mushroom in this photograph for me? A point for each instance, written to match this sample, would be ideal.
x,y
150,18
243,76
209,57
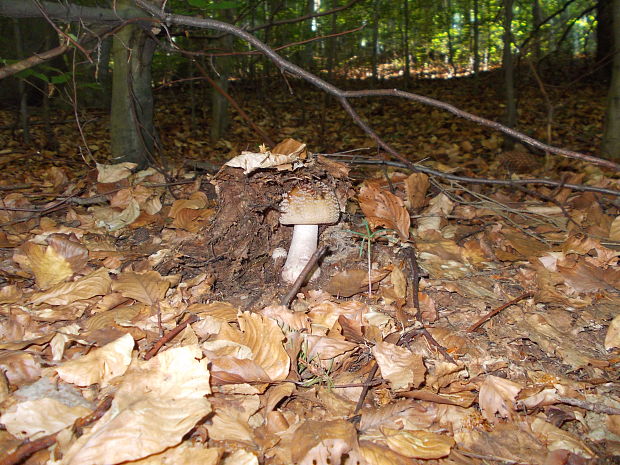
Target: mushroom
x,y
306,206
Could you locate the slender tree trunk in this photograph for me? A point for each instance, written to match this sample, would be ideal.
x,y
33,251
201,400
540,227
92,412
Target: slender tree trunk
x,y
50,137
611,136
604,36
407,70
332,44
476,32
307,54
375,42
448,7
23,95
509,72
537,19
220,111
131,121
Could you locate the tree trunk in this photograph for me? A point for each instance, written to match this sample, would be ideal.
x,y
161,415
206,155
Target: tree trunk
x,y
332,44
604,36
448,7
23,95
131,119
509,72
407,70
537,19
307,53
375,42
220,110
476,31
611,136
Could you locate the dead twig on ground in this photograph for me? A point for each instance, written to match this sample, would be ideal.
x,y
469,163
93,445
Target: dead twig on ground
x,y
169,336
316,256
356,160
494,312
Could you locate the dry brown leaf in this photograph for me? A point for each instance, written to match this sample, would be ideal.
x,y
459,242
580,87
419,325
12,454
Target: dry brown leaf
x,y
323,441
350,282
241,457
40,417
435,214
586,278
291,147
373,418
375,454
155,406
402,368
382,208
96,283
114,219
230,422
612,338
148,288
55,262
114,173
326,348
20,367
99,365
183,454
289,319
461,399
498,396
556,438
263,338
418,444
416,186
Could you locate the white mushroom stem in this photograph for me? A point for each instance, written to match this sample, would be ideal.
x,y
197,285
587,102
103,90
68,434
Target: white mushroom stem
x,y
303,245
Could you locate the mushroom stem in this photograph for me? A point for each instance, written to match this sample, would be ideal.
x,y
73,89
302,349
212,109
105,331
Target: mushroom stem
x,y
303,245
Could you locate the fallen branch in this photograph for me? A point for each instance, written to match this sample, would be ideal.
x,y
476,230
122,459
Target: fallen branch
x,y
494,312
169,336
453,177
343,96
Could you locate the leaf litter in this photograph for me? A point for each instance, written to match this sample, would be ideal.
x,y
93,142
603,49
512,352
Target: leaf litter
x,y
141,322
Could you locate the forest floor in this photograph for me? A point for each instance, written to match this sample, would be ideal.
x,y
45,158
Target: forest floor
x,y
143,318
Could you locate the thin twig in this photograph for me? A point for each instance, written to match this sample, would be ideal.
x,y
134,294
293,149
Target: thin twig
x,y
366,388
316,256
494,312
470,180
169,336
591,406
415,278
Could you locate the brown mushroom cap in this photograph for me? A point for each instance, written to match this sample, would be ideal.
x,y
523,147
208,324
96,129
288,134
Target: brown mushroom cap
x,y
310,204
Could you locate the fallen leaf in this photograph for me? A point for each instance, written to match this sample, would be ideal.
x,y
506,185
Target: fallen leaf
x,y
382,208
99,365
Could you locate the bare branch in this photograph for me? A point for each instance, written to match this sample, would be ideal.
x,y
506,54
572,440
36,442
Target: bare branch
x,y
67,12
34,60
303,18
342,96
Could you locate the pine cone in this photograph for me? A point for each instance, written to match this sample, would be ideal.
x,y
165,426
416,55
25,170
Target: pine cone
x,y
518,161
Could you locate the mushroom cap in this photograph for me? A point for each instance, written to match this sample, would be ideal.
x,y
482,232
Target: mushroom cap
x,y
310,204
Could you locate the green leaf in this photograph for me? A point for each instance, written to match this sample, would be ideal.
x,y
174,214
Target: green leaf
x,y
60,79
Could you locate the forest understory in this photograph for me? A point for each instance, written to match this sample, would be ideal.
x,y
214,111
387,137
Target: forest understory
x,y
452,322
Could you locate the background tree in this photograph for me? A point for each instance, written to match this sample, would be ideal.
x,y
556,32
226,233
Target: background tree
x,y
611,137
